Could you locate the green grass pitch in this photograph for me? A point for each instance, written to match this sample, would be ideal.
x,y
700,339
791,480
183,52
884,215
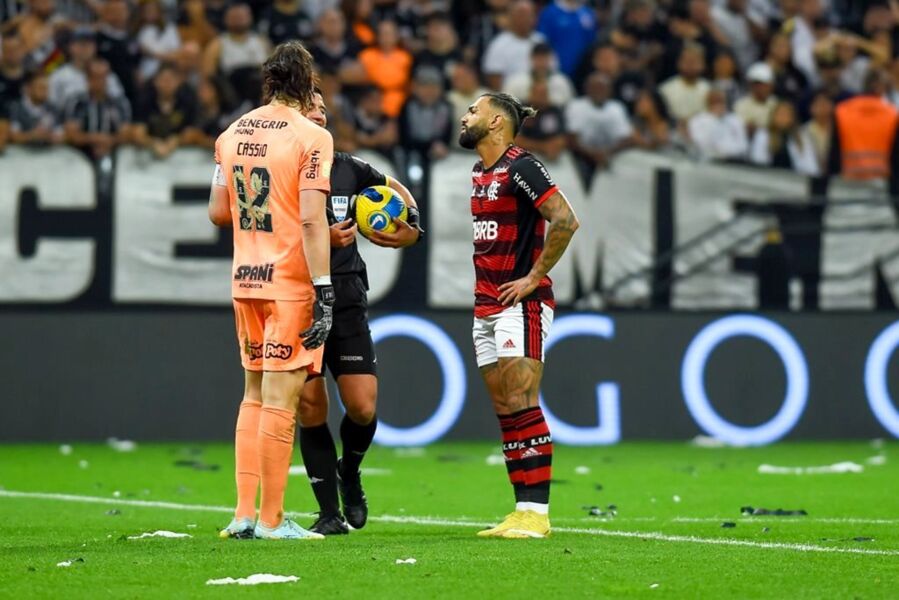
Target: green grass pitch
x,y
667,540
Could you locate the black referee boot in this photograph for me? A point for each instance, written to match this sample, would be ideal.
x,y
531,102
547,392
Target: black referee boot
x,y
355,506
330,525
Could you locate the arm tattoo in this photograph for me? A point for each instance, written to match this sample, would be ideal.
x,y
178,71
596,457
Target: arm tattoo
x,y
562,225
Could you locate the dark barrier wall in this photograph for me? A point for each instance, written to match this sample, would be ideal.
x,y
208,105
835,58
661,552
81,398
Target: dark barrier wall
x,y
175,375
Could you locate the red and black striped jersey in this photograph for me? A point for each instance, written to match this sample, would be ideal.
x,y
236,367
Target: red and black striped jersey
x,y
508,228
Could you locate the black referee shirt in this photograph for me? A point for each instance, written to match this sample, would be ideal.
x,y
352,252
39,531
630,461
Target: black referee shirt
x,y
349,176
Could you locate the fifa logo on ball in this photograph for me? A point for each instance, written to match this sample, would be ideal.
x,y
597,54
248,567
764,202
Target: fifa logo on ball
x,y
377,207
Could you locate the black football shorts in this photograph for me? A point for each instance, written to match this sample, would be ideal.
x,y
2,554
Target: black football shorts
x,y
349,349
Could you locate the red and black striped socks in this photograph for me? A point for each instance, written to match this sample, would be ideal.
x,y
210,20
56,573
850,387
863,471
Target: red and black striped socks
x,y
528,448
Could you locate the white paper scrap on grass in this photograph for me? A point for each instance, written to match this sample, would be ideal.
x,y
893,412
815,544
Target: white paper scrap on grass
x,y
121,445
876,461
582,470
372,471
840,467
68,563
254,579
406,561
706,441
494,460
161,533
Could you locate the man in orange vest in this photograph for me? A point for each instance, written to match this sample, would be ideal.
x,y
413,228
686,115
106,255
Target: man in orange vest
x,y
864,139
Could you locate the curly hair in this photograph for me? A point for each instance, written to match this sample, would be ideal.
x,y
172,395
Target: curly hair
x,y
288,76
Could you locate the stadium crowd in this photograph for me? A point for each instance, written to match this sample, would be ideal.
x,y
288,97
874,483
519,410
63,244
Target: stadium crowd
x,y
738,80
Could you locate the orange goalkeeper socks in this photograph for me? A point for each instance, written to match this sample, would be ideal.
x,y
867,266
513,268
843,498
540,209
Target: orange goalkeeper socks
x,y
276,432
246,458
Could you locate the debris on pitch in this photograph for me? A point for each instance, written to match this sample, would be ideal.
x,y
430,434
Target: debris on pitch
x,y
113,512
406,561
197,465
653,586
495,460
582,470
728,525
876,461
841,467
65,449
707,441
160,533
83,464
255,579
676,498
611,511
748,511
121,445
70,562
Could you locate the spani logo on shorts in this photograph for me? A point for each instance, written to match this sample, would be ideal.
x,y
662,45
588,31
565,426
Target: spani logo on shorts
x,y
378,220
279,351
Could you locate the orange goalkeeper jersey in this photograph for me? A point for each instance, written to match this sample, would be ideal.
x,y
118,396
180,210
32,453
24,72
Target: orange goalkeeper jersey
x,y
267,157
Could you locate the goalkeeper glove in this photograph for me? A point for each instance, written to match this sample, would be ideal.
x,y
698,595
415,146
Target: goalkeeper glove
x,y
322,317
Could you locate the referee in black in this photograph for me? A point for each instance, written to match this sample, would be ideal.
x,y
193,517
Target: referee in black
x,y
349,350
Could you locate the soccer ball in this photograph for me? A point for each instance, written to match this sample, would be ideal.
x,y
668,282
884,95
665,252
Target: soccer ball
x,y
376,207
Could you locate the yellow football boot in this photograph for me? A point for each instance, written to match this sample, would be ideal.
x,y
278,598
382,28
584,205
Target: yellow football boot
x,y
528,525
512,520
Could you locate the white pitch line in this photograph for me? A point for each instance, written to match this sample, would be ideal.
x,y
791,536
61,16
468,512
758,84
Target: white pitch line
x,y
648,535
786,519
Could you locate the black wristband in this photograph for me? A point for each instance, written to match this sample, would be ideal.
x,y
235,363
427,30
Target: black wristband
x,y
414,220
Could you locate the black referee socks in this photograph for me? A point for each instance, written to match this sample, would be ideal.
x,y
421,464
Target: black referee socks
x,y
320,459
356,440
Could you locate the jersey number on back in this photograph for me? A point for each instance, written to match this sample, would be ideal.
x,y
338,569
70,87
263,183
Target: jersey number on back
x,y
252,198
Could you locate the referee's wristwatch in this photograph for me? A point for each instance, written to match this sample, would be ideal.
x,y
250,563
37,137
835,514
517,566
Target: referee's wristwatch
x,y
414,219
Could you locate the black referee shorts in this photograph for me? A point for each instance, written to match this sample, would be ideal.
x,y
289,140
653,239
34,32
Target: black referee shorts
x,y
349,349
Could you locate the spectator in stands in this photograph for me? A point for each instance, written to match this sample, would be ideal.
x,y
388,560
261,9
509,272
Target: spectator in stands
x,y
374,129
389,67
157,37
686,93
801,29
783,143
426,122
32,118
598,126
789,81
95,120
510,51
286,20
193,26
725,77
732,19
690,26
441,50
335,51
639,36
37,27
340,113
606,59
360,18
570,28
189,63
829,71
115,44
466,89
819,128
12,68
542,67
755,108
212,114
70,80
716,133
544,134
864,146
412,18
215,12
483,28
167,113
652,129
238,53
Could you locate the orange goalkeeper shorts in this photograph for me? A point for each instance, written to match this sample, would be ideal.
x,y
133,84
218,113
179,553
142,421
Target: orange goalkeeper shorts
x,y
268,332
